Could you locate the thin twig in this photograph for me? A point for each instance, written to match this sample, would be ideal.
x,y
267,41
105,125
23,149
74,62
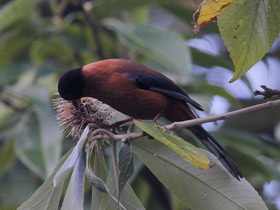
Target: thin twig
x,y
115,166
10,104
60,7
53,5
94,27
199,121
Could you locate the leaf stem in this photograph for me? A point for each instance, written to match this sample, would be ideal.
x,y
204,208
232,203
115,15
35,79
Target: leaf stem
x,y
115,167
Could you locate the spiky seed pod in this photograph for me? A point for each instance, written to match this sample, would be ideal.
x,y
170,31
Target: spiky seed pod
x,y
73,120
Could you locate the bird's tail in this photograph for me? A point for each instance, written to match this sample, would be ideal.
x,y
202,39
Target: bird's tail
x,y
181,112
217,150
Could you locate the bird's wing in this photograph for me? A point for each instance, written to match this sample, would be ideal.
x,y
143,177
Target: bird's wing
x,y
162,85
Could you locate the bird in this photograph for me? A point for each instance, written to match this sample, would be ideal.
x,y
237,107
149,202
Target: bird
x,y
140,93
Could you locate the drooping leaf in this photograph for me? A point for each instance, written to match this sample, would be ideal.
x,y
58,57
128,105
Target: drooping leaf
x,y
248,29
204,59
101,170
47,196
99,184
7,155
95,181
12,44
207,12
128,197
49,136
126,166
42,50
192,154
165,47
27,145
198,189
14,11
69,164
74,197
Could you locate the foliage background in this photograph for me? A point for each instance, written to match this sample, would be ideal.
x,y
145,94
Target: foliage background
x,y
41,39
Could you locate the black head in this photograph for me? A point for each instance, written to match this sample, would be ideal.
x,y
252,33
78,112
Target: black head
x,y
71,84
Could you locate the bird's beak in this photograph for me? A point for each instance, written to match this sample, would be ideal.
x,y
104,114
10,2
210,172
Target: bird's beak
x,y
75,103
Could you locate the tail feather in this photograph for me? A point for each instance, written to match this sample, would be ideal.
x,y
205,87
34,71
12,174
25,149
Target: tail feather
x,y
217,150
181,112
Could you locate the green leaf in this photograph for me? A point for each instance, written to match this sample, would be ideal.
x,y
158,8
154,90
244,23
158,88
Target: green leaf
x,y
52,49
198,189
27,145
186,150
248,29
204,59
126,166
14,11
98,183
101,170
49,134
69,164
165,47
128,197
74,197
7,155
95,181
47,196
13,45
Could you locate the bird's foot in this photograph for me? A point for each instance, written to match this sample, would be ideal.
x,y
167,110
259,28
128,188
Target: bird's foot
x,y
116,126
159,115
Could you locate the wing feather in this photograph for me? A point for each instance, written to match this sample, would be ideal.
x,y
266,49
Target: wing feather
x,y
162,85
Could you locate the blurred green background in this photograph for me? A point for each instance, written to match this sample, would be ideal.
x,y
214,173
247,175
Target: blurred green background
x,y
41,39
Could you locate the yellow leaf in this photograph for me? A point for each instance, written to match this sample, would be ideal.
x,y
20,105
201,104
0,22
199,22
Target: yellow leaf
x,y
208,11
186,150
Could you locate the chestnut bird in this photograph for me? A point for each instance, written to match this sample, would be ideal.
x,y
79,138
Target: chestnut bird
x,y
140,93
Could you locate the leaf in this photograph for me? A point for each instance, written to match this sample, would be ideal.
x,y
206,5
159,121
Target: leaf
x,y
128,197
27,147
74,197
47,196
165,47
248,29
98,183
51,49
207,12
7,154
13,43
69,164
101,170
14,11
204,59
95,181
126,166
186,150
198,189
49,134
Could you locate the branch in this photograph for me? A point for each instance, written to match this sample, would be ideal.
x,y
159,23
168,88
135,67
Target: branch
x,y
94,27
199,121
106,134
52,5
11,105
